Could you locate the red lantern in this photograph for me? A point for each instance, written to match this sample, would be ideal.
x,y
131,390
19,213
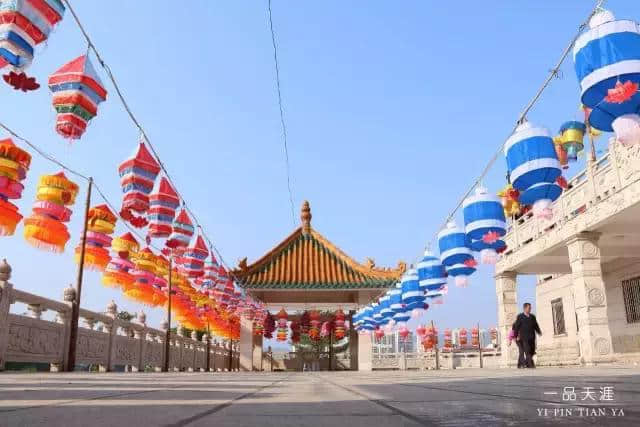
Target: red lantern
x,y
192,259
463,337
447,339
282,325
314,329
475,337
339,330
14,164
379,334
403,332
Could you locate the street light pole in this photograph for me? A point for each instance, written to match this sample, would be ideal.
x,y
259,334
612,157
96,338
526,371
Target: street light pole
x,y
167,338
75,305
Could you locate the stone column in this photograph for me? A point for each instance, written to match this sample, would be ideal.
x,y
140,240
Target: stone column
x,y
257,352
6,290
246,344
365,362
506,291
141,335
111,329
594,336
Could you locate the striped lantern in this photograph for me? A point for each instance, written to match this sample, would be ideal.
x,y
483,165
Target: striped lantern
x,y
402,314
14,164
395,299
137,178
101,223
181,231
118,271
45,228
485,224
432,275
607,64
77,91
339,329
23,25
534,168
377,316
412,295
192,259
455,253
163,203
385,307
463,337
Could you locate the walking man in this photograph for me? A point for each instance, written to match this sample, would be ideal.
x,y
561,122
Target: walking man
x,y
525,329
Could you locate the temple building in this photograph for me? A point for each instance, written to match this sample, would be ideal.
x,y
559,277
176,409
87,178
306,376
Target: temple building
x,y
306,271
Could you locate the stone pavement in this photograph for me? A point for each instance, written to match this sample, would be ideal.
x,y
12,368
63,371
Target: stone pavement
x,y
470,397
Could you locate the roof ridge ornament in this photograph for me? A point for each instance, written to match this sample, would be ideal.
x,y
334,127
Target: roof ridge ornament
x,y
305,217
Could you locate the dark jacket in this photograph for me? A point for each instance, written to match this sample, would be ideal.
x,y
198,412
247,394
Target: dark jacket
x,y
526,327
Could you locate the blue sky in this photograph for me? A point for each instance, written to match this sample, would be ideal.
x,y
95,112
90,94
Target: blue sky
x,y
392,110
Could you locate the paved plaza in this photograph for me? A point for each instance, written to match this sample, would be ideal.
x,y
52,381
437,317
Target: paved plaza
x,y
469,397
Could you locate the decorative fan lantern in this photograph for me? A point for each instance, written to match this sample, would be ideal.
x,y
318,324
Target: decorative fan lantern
x,y
485,224
534,168
282,325
45,228
23,25
14,164
137,177
339,330
607,63
462,335
192,260
77,91
182,230
455,253
101,223
162,208
118,271
432,275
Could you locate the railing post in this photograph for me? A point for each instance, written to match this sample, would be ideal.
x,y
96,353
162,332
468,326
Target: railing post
x,y
111,329
69,296
6,290
140,333
193,344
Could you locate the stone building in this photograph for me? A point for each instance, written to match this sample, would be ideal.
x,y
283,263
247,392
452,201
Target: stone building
x,y
587,259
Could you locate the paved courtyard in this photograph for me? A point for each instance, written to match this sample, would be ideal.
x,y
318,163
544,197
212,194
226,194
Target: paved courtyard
x,y
469,397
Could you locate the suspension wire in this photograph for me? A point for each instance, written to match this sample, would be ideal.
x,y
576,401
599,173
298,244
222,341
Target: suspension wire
x,y
282,122
553,73
146,138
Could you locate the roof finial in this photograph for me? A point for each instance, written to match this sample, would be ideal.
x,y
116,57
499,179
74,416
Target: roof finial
x,y
305,217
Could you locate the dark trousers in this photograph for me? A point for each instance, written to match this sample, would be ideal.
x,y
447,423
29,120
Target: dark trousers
x,y
529,349
521,361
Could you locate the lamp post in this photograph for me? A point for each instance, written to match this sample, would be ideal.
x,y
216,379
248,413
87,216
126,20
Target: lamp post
x,y
75,305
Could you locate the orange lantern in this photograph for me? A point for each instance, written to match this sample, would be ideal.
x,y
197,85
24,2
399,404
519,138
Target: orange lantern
x,y
101,222
14,164
339,329
45,228
118,271
475,337
463,337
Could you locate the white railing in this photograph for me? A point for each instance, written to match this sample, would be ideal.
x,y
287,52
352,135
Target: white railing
x,y
104,340
456,359
588,192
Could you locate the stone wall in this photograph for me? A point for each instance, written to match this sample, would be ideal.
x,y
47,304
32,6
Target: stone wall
x,y
103,340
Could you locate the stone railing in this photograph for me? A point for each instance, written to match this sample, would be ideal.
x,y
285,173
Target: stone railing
x,y
607,186
445,360
104,340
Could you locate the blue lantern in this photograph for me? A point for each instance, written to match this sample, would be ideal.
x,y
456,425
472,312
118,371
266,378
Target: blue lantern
x,y
607,58
454,245
572,138
412,295
484,224
395,299
534,167
377,315
385,307
431,273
